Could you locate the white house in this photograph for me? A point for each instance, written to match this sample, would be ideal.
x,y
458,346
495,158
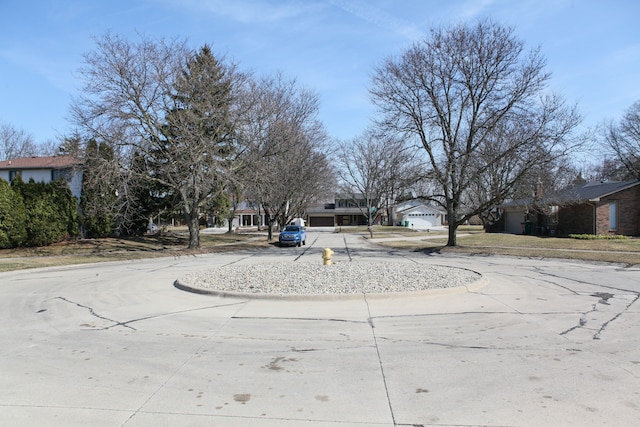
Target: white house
x,y
45,169
419,216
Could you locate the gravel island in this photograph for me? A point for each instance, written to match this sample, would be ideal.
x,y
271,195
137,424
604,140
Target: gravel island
x,y
355,277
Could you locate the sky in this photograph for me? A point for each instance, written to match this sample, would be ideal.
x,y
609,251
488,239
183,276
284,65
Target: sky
x,y
592,47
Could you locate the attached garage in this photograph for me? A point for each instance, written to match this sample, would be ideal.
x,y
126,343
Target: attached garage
x,y
321,221
513,221
421,217
421,220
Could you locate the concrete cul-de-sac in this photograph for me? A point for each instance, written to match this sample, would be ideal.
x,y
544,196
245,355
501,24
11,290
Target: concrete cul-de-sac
x,y
542,342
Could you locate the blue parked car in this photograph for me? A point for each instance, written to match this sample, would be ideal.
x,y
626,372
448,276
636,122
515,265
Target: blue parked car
x,y
293,235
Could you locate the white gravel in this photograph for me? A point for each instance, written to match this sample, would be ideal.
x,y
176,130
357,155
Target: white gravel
x,y
354,277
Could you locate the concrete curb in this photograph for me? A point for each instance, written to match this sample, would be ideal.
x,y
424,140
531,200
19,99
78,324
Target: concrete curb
x,y
471,287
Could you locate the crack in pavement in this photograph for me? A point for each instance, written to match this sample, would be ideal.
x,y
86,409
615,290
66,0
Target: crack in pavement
x,y
605,324
346,246
92,312
127,323
330,319
582,322
306,249
603,296
581,282
172,313
458,346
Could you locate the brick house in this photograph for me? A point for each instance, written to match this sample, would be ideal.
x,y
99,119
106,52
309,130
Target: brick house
x,y
45,169
592,208
342,211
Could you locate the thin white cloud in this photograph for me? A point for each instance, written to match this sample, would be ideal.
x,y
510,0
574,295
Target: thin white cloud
x,y
247,11
369,13
472,9
623,56
525,12
53,69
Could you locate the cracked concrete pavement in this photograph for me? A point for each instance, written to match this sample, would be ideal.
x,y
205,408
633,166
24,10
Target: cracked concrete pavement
x,y
545,342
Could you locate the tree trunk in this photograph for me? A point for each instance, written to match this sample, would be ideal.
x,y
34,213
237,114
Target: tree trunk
x,y
194,231
269,221
452,234
453,224
259,219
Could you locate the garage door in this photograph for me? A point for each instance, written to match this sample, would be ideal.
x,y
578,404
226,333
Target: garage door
x,y
513,222
321,221
419,222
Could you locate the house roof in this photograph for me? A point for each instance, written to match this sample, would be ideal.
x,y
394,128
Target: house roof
x,y
416,205
52,162
246,206
588,192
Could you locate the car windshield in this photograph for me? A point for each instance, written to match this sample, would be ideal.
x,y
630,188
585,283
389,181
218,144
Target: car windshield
x,y
292,228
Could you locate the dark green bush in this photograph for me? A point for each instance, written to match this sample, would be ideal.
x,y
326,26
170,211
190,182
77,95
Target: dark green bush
x,y
12,217
51,211
97,226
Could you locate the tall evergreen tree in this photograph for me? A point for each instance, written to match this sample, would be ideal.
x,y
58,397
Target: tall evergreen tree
x,y
198,138
99,202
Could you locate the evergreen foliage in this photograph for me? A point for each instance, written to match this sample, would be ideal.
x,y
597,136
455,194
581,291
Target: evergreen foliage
x,y
12,217
50,213
99,196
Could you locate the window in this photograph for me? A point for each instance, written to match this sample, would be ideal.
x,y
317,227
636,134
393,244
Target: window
x,y
57,174
613,216
13,174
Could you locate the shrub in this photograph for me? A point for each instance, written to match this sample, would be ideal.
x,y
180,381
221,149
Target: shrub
x,y
51,211
12,217
598,236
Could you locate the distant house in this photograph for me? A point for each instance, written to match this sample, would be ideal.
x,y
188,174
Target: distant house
x,y
342,211
419,216
45,169
591,208
248,215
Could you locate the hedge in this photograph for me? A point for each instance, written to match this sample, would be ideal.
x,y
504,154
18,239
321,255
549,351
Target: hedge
x,y
36,214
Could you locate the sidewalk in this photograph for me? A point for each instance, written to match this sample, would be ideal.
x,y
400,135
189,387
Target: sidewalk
x,y
400,237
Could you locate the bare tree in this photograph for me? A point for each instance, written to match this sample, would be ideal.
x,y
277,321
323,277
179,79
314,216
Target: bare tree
x,y
624,140
475,101
296,178
285,163
172,110
15,143
377,168
609,168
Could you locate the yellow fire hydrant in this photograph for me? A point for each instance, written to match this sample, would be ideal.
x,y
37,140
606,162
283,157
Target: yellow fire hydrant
x,y
326,256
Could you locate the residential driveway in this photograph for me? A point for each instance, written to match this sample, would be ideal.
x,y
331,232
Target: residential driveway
x,y
545,342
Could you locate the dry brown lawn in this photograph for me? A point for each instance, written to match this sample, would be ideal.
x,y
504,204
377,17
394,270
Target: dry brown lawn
x,y
625,251
471,240
117,249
